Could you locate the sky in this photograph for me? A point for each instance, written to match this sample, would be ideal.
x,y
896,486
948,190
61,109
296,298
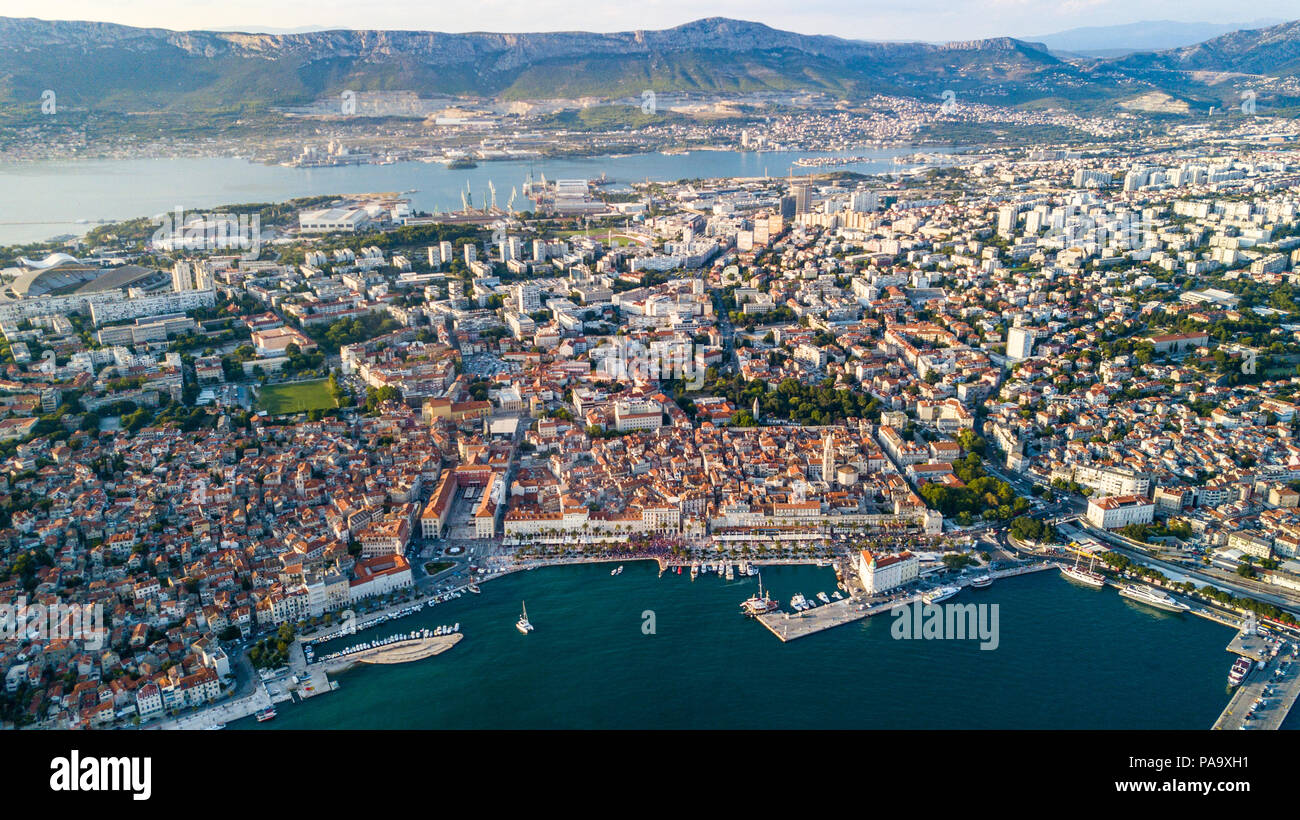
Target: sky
x,y
932,20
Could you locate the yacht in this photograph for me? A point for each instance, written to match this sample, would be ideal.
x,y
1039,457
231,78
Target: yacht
x,y
823,597
618,571
939,594
798,602
731,572
761,603
266,714
1084,576
695,570
1240,668
474,589
523,624
982,582
1153,597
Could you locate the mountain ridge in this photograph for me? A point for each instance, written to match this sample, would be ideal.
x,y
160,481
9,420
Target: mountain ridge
x,y
108,65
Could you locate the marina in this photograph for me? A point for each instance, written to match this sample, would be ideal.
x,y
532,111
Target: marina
x,y
582,617
790,627
1270,683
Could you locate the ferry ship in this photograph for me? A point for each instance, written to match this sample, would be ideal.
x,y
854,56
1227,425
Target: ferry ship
x,y
266,714
760,603
939,594
1084,576
1240,668
982,582
1153,597
523,624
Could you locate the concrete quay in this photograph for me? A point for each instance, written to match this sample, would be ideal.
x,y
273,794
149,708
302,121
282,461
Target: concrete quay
x,y
790,626
1265,698
401,652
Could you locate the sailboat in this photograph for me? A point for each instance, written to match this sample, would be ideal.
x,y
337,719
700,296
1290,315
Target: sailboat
x,y
1084,576
759,604
523,624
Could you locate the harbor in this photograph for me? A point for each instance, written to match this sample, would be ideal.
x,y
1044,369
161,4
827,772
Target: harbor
x,y
582,614
1265,698
791,626
406,651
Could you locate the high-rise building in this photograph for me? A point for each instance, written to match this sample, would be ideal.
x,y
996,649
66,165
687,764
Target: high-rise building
x,y
1020,343
528,297
183,276
802,199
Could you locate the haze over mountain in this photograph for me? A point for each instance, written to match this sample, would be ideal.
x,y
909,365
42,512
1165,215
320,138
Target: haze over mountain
x,y
1147,35
112,67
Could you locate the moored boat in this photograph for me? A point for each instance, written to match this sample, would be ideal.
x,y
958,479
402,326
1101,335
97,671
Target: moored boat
x,y
1153,597
1240,668
1087,576
939,594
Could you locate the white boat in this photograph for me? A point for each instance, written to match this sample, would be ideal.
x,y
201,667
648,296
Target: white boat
x,y
825,599
760,603
982,582
1153,597
1240,668
474,589
523,624
837,595
1084,576
798,602
939,594
731,572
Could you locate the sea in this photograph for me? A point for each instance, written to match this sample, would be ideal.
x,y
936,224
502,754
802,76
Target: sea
x,y
644,651
46,199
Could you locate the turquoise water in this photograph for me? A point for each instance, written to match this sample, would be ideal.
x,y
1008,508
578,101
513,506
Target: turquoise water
x,y
1069,657
44,199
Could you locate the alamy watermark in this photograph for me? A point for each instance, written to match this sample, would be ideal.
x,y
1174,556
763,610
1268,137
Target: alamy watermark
x,y
628,360
946,622
21,622
178,231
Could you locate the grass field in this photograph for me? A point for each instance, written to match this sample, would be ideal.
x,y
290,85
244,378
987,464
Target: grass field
x,y
297,397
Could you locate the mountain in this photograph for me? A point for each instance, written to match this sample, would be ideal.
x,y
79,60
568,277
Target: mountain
x,y
102,65
108,67
1271,51
1148,35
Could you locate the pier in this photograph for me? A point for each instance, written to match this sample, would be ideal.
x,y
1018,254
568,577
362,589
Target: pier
x,y
400,652
788,627
1275,687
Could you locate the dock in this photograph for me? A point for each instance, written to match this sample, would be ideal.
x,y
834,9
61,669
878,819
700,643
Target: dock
x,y
788,626
401,652
1278,683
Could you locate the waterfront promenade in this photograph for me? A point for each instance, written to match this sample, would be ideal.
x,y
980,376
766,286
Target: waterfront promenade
x,y
788,626
219,714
